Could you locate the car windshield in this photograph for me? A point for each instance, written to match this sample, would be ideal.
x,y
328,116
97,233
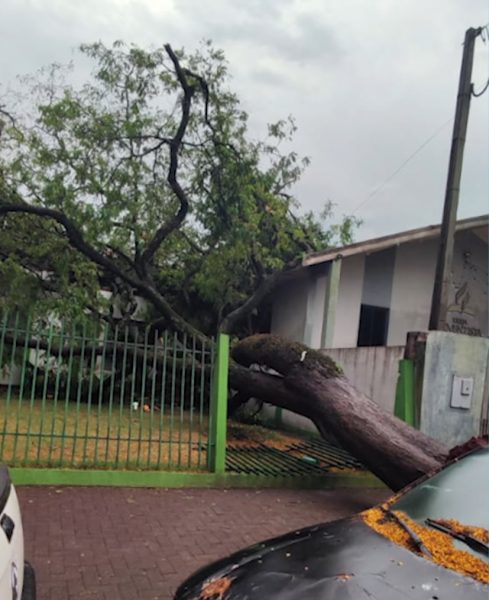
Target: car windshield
x,y
460,492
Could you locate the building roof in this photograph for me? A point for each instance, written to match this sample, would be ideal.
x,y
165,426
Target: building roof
x,y
479,224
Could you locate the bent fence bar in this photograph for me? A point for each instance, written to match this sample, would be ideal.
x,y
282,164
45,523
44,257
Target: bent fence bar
x,y
95,396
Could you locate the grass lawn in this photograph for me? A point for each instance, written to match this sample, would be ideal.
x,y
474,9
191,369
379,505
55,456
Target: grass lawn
x,y
55,434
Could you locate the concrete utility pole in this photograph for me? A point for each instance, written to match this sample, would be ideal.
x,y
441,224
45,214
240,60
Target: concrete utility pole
x,y
439,304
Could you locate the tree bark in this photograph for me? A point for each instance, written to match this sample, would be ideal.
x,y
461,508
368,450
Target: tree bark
x,y
311,384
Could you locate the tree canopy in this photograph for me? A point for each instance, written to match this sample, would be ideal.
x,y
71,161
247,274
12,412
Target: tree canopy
x,y
144,180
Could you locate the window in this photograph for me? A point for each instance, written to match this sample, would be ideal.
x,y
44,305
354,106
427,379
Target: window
x,y
374,323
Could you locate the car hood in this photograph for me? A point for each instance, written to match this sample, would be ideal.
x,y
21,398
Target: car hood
x,y
343,560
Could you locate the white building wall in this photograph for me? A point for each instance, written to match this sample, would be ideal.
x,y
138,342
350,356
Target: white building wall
x,y
289,309
412,289
404,285
377,279
316,297
349,300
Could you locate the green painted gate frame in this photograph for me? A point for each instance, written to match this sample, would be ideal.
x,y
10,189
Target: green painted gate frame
x,y
218,410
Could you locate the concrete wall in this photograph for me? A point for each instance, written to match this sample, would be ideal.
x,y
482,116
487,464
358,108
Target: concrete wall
x,y
349,300
289,419
449,354
372,371
412,289
467,310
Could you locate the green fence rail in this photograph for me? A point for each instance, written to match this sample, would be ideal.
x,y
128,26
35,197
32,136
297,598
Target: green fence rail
x,y
104,397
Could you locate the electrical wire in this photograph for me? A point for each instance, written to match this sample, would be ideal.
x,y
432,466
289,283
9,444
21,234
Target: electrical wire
x,y
484,33
408,159
477,95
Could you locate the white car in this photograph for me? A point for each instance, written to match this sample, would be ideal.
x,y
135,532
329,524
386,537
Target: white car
x,y
17,579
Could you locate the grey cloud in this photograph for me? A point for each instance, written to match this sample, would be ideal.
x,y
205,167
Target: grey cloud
x,y
271,77
275,27
368,82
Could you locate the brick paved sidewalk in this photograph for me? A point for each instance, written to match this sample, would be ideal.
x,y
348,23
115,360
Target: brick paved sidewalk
x,y
139,544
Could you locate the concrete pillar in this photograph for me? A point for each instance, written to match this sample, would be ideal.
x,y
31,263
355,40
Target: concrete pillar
x,y
330,303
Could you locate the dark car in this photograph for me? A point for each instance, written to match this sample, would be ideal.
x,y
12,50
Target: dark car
x,y
439,527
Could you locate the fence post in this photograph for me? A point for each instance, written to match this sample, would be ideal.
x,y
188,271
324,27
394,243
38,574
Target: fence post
x,y
404,405
218,412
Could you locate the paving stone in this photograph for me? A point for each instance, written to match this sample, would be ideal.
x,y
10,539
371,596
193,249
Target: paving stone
x,y
139,544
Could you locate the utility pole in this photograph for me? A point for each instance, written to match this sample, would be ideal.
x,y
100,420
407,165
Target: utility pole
x,y
443,276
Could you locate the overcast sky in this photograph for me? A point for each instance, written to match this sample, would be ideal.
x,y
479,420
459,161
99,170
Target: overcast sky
x,y
368,82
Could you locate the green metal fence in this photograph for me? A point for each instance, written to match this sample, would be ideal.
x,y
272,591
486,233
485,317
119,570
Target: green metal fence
x,y
95,396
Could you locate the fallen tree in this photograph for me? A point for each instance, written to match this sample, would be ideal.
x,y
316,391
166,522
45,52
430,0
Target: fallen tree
x,y
109,174
299,379
311,384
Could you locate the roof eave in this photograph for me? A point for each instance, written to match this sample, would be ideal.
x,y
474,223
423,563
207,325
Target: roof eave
x,y
388,241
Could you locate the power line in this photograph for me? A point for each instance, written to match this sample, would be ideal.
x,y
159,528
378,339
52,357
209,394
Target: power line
x,y
484,33
477,95
408,159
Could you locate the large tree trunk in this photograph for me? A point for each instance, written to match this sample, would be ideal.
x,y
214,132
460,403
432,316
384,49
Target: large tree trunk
x,y
312,385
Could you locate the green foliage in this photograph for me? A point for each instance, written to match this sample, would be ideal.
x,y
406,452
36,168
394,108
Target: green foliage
x,y
99,152
39,271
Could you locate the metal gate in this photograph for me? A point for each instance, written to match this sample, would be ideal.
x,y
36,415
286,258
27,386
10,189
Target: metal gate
x,y
95,396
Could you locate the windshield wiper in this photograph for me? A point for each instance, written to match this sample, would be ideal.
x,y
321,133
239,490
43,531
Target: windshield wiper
x,y
413,536
468,539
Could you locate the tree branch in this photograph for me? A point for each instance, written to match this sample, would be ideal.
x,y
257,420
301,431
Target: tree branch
x,y
272,389
205,92
122,255
174,144
75,237
264,289
10,117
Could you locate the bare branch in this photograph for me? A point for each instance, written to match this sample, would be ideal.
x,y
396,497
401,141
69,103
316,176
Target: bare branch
x,y
205,92
8,115
174,144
